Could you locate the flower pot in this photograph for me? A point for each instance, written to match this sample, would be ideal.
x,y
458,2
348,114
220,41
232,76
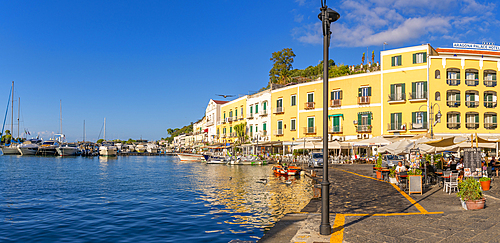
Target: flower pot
x,y
379,175
475,204
485,185
393,180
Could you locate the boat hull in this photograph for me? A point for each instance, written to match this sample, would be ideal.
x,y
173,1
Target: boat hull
x,y
107,151
67,151
10,150
28,150
191,157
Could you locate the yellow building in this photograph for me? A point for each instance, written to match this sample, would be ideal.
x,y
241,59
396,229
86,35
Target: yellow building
x,y
232,113
396,98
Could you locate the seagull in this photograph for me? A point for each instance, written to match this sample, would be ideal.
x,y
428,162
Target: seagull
x,y
225,96
263,181
230,178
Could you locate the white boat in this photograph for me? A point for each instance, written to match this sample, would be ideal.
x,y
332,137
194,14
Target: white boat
x,y
10,150
249,160
108,149
140,148
191,157
152,148
48,148
29,147
217,160
68,149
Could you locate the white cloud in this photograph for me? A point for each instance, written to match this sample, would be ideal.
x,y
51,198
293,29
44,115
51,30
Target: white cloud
x,y
298,18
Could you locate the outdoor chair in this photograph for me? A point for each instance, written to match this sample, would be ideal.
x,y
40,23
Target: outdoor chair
x,y
489,171
446,181
453,184
402,181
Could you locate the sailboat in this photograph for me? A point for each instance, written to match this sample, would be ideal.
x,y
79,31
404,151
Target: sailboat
x,y
107,148
11,149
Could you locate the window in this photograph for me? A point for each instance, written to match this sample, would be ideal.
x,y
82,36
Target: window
x,y
224,131
310,97
453,120
453,76
490,78
490,120
224,116
241,109
236,112
264,106
396,122
230,113
292,125
364,94
397,92
293,99
280,128
336,126
310,101
230,129
364,122
472,120
490,99
217,131
310,125
251,130
437,74
471,99
471,77
419,90
256,108
453,98
437,96
419,120
251,110
264,127
279,106
336,97
256,128
420,57
396,61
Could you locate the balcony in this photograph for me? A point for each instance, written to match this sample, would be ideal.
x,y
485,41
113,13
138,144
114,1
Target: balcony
x,y
397,97
418,96
453,103
490,126
233,135
279,110
223,135
453,82
278,132
453,125
418,126
364,128
309,105
363,100
263,113
335,103
229,119
335,129
396,127
471,104
490,104
309,130
264,133
472,82
250,116
224,121
472,125
490,83
210,123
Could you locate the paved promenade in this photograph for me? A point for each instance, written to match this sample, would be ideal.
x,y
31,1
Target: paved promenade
x,y
363,209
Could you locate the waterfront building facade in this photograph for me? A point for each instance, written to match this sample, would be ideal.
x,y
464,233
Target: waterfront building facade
x,y
232,113
212,114
259,116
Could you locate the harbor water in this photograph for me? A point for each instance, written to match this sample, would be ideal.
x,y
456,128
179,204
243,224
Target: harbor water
x,y
140,199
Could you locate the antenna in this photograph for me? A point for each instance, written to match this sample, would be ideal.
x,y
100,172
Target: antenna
x,y
104,128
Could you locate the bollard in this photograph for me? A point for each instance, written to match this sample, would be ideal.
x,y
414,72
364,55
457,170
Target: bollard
x,y
317,191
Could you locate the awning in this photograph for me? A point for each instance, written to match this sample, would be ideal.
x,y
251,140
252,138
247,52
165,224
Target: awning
x,y
445,142
335,115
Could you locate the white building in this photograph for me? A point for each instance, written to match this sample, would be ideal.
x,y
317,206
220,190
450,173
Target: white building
x,y
212,116
259,116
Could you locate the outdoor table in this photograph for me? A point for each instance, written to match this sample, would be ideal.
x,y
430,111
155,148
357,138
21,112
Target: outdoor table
x,y
443,178
403,182
385,174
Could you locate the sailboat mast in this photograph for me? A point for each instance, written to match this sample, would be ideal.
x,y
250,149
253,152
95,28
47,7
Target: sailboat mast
x,y
12,112
83,130
60,116
18,112
104,128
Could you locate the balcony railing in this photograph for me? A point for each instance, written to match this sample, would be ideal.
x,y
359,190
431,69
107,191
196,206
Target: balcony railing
x,y
472,82
309,105
453,103
210,123
490,104
363,100
490,125
224,121
241,117
264,133
278,132
397,97
223,135
418,126
263,112
309,130
279,110
453,82
396,126
490,83
453,125
471,104
418,95
472,125
364,128
335,103
335,129
229,119
250,116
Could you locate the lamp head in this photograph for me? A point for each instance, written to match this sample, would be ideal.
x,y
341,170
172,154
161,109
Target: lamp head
x,y
331,15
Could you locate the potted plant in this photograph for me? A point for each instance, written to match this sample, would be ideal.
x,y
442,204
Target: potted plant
x,y
485,183
470,192
378,167
392,175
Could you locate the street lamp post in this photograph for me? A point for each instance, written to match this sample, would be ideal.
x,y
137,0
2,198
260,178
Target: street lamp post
x,y
432,124
327,16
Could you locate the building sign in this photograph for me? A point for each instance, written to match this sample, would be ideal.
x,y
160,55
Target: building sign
x,y
484,46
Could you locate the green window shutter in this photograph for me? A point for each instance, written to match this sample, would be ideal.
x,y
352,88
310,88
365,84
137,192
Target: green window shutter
x,y
425,57
251,109
477,118
425,116
256,109
400,118
392,61
359,92
224,115
310,122
265,105
369,91
414,87
359,118
280,125
399,60
494,118
336,121
236,112
414,58
425,86
494,76
231,130
331,95
278,103
403,88
458,96
251,129
264,126
392,89
476,75
340,94
413,117
310,97
458,75
458,118
369,118
392,118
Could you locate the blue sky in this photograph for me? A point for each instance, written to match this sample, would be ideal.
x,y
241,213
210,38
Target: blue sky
x,y
151,65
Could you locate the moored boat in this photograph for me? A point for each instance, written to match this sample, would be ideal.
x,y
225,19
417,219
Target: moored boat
x,y
286,170
107,149
217,160
68,149
191,157
29,147
48,148
10,150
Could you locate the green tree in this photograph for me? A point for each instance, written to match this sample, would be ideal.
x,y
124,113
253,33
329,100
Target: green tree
x,y
7,137
373,57
282,64
240,130
100,140
363,59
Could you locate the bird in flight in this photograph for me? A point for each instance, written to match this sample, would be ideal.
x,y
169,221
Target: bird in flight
x,y
225,96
